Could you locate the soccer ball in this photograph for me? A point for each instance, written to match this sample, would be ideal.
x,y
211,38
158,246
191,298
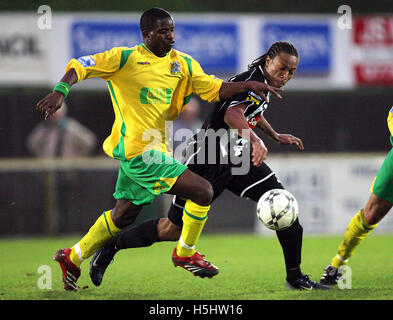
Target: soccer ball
x,y
277,209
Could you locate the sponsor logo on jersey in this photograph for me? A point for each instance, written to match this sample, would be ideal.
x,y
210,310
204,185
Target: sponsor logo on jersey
x,y
86,61
143,62
254,97
155,95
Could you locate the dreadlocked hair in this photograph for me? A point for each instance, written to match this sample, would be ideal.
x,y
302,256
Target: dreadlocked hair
x,y
273,51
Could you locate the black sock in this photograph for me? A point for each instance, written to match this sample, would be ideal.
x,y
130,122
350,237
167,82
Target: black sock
x,y
291,243
143,235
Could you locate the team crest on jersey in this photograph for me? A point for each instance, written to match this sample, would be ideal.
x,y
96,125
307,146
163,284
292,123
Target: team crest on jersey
x,y
87,61
175,67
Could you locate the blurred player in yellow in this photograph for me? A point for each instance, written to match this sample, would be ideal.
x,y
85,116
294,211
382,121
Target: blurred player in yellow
x,y
367,219
149,84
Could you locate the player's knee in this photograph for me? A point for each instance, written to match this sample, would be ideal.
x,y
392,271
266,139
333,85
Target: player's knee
x,y
122,219
375,209
124,213
373,214
205,194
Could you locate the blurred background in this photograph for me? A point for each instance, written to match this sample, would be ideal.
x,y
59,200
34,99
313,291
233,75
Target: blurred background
x,y
55,179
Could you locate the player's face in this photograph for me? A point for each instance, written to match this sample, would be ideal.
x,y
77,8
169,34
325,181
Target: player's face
x,y
280,69
162,38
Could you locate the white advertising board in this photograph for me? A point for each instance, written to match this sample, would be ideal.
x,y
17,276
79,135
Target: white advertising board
x,y
24,51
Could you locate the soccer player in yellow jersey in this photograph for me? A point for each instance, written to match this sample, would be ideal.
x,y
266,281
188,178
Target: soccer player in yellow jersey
x,y
366,220
149,84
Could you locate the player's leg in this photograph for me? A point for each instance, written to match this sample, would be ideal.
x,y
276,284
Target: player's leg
x,y
167,176
142,235
130,198
199,193
101,231
364,221
195,263
194,216
194,213
175,178
253,185
106,226
360,226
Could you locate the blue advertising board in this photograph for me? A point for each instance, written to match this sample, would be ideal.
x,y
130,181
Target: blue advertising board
x,y
213,45
94,37
312,40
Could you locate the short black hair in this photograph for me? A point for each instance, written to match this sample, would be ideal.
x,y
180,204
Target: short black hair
x,y
150,16
273,51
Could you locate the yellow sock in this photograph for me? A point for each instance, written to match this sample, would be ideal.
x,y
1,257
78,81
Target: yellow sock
x,y
194,218
356,231
102,230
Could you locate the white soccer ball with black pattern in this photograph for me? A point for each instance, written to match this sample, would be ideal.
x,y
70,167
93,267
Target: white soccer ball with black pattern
x,y
277,209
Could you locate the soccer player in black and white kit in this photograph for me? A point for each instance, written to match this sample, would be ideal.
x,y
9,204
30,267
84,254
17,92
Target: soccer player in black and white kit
x,y
219,154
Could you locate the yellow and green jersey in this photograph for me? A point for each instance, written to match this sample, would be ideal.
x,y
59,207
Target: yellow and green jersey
x,y
146,91
390,124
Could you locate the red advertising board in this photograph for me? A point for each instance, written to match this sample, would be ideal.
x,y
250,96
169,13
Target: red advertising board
x,y
373,73
373,30
373,49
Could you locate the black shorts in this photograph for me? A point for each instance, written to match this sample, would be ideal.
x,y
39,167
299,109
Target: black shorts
x,y
252,185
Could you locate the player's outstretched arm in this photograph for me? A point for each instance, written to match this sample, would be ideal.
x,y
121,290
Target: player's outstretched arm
x,y
53,101
230,89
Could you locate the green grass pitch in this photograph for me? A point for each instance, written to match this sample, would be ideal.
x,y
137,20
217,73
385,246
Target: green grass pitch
x,y
251,268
